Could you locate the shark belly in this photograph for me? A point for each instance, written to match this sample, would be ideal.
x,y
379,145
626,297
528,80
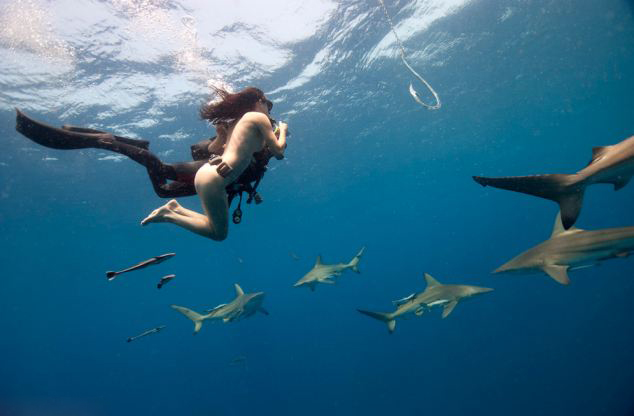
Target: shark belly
x,y
615,171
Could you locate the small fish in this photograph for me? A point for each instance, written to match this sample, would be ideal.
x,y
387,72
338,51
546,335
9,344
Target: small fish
x,y
164,280
239,360
148,332
293,255
143,264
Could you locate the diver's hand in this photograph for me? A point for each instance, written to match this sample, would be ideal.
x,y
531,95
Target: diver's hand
x,y
283,129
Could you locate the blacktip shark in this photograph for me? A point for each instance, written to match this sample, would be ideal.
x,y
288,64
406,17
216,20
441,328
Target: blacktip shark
x,y
610,164
435,294
323,273
243,306
572,249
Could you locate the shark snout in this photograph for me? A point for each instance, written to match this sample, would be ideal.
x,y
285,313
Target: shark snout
x,y
504,268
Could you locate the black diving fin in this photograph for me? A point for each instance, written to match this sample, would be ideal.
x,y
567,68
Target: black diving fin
x,y
68,137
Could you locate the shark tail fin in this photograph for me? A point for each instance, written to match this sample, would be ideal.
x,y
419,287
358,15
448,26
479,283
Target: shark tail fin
x,y
383,317
354,263
194,316
561,188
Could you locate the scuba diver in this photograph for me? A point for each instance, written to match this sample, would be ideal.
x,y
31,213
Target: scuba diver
x,y
249,131
174,180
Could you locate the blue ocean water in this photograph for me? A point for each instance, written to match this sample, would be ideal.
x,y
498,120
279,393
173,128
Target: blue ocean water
x,y
527,87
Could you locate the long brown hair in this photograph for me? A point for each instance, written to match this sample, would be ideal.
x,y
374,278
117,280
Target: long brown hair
x,y
231,106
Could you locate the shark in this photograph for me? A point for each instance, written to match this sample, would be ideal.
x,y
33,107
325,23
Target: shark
x,y
435,294
609,165
323,273
243,306
572,249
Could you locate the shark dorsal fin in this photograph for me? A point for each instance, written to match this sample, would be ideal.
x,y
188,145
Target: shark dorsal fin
x,y
318,261
558,227
239,291
598,152
431,282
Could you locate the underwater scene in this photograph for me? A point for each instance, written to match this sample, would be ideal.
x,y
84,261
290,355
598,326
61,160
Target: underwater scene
x,y
410,207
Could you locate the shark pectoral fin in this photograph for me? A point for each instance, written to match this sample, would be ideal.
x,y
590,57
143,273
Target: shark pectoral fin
x,y
226,320
391,325
449,308
559,273
264,311
354,263
419,311
621,182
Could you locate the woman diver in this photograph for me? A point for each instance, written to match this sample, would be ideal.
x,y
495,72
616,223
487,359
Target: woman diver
x,y
249,131
244,130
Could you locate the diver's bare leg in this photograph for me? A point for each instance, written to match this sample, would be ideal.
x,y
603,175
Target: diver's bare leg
x,y
198,224
214,225
186,212
164,213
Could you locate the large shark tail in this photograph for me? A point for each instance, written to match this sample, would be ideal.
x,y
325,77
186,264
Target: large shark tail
x,y
383,317
564,189
354,263
194,316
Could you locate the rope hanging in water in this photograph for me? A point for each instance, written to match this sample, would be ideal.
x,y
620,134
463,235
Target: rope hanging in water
x,y
412,91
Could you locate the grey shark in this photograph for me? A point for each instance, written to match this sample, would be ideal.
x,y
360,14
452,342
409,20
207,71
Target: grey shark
x,y
610,164
435,294
243,306
571,249
323,273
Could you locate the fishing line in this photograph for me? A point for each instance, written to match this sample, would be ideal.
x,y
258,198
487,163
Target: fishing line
x,y
412,91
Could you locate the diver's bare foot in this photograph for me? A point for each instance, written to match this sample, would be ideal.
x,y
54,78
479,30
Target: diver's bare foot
x,y
162,214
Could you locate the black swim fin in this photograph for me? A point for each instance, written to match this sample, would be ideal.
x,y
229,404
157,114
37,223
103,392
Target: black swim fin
x,y
143,144
68,137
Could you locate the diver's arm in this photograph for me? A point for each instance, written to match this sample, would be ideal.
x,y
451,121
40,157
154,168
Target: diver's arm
x,y
217,146
275,145
278,132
